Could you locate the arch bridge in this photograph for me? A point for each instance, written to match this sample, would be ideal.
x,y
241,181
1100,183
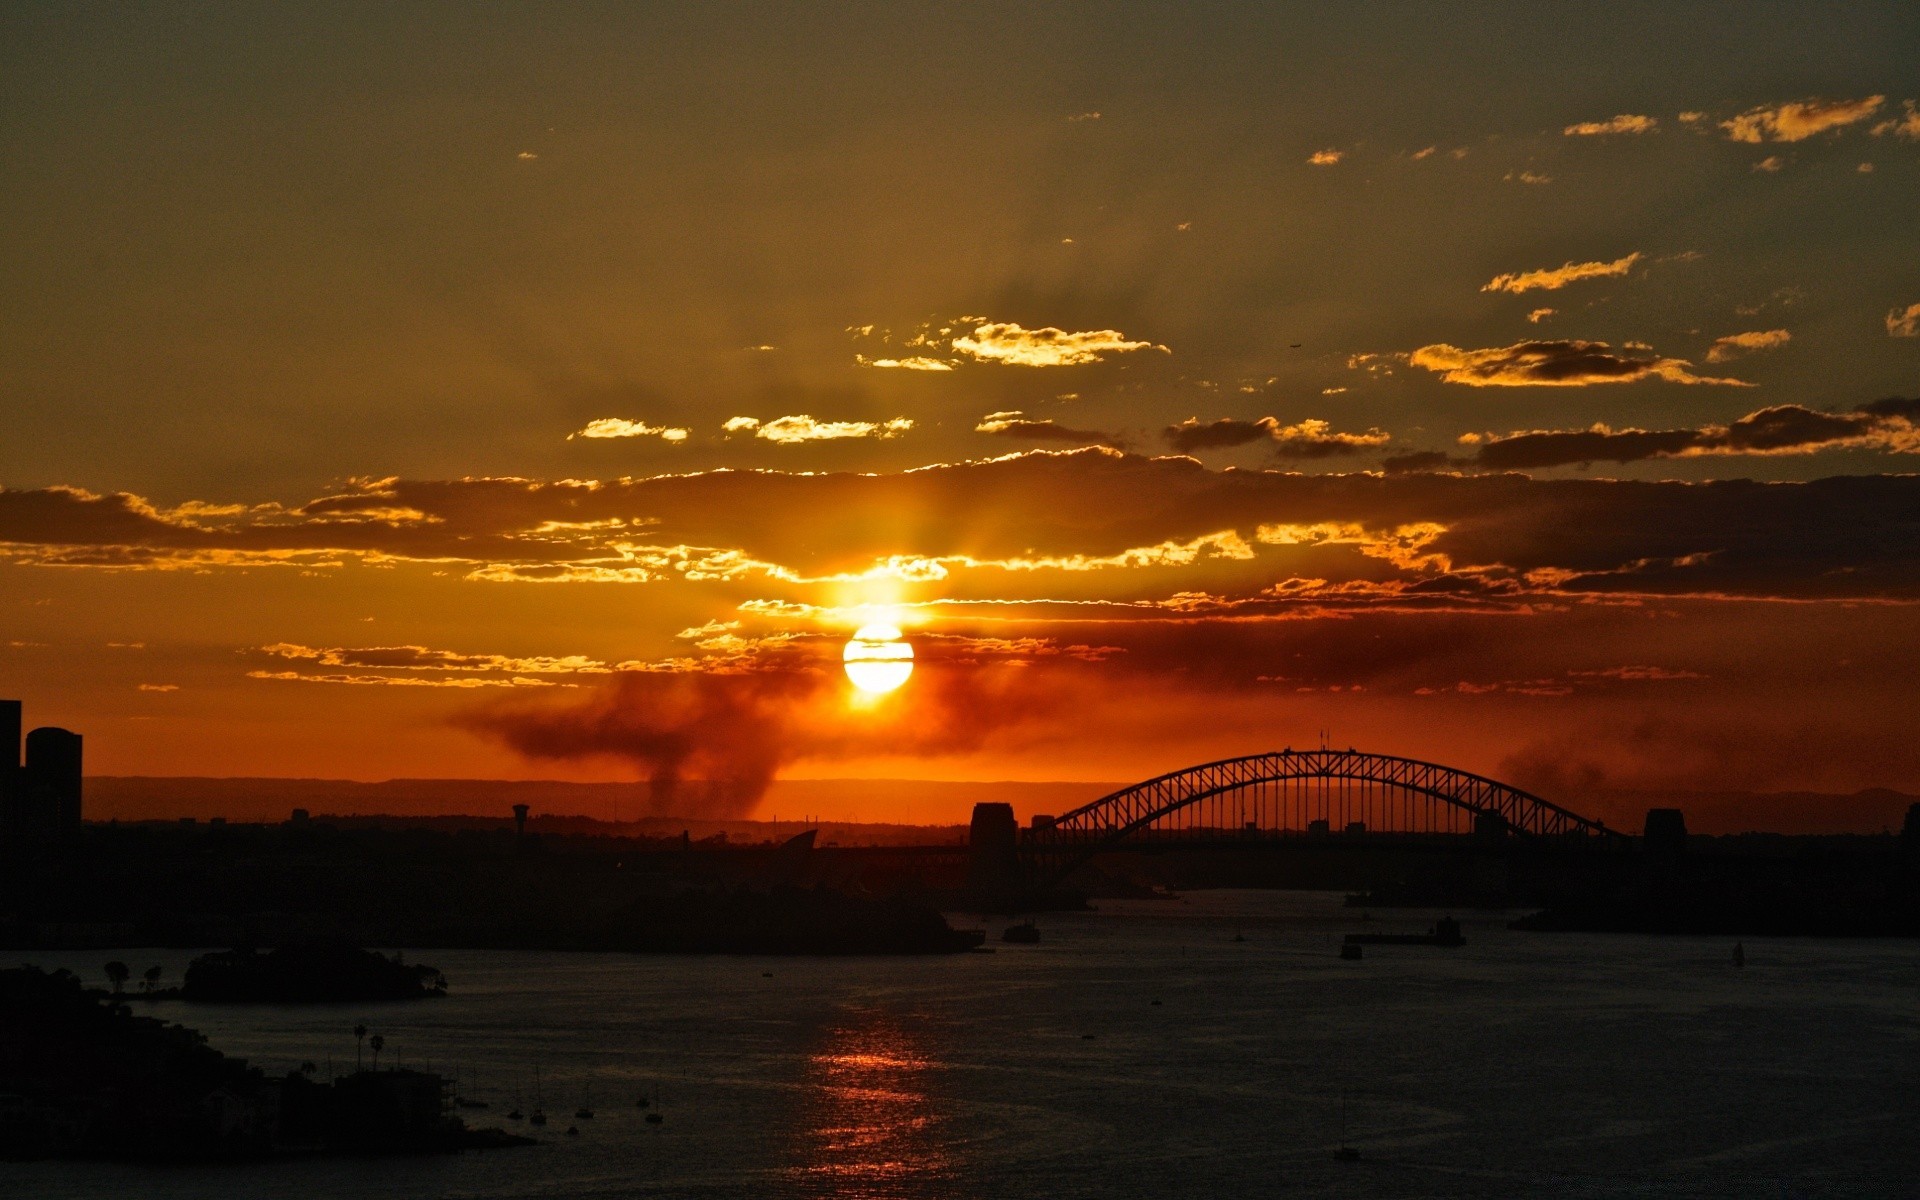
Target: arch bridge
x,y
1303,793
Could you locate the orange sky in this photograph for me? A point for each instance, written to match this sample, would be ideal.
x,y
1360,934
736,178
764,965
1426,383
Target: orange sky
x,y
550,395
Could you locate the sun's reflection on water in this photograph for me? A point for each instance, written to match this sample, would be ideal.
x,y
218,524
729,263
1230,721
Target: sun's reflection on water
x,y
869,1126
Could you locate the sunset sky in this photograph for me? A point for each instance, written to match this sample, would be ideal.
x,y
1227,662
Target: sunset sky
x,y
549,391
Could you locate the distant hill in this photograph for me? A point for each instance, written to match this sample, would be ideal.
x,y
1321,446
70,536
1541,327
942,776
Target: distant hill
x,y
870,803
815,801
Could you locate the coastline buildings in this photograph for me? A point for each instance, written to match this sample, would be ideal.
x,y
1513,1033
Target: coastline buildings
x,y
40,796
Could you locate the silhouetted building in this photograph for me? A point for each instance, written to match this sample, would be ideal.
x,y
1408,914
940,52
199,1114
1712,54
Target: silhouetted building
x,y
993,853
9,761
40,797
1666,832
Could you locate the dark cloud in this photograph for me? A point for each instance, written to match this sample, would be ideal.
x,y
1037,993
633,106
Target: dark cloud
x,y
1092,518
1194,434
1887,425
1419,460
1559,363
1022,428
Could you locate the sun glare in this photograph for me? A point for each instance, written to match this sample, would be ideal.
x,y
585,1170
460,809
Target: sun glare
x,y
878,659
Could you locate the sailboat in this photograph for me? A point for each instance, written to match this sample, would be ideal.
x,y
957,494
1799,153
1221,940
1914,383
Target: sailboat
x,y
539,1115
585,1111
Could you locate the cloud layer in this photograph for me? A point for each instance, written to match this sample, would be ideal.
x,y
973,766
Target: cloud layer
x,y
1567,363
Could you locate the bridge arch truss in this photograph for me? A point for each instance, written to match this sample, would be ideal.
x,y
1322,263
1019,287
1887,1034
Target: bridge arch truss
x,y
1302,792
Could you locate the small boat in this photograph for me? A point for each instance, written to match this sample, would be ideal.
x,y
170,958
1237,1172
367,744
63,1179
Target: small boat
x,y
654,1118
516,1115
538,1118
1350,951
642,1102
573,1131
463,1102
585,1111
1024,934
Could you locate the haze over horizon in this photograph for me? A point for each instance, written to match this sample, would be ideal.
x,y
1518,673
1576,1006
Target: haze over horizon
x,y
552,393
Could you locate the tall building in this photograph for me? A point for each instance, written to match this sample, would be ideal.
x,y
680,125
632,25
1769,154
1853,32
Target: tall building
x,y
53,778
9,761
41,797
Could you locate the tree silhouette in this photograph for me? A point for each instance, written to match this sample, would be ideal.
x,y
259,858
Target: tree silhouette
x,y
150,979
117,974
377,1042
359,1036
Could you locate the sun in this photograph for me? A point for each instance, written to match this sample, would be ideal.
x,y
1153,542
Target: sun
x,y
878,659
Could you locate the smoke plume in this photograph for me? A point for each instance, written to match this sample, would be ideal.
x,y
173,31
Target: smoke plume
x,y
736,731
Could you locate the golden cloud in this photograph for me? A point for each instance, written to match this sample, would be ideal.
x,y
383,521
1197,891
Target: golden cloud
x,y
617,427
1623,123
802,428
421,658
1009,343
1326,158
1553,279
1904,322
918,362
1798,120
1735,345
1907,125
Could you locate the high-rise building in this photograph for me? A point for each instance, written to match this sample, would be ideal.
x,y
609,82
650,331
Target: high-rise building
x,y
9,762
40,797
53,778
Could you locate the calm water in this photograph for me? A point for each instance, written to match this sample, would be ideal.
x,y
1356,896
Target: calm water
x,y
1520,1065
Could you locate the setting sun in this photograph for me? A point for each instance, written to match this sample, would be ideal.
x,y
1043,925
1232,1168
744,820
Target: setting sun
x,y
878,659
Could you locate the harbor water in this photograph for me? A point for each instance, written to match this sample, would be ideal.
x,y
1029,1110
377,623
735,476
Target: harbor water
x,y
1210,1046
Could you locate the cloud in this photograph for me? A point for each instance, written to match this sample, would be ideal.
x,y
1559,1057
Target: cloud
x,y
1085,116
1735,345
1418,460
1553,364
1624,123
1326,158
617,427
1771,164
401,680
802,428
421,658
1311,438
1798,120
159,687
1531,177
1018,425
1904,322
1540,314
1554,278
1907,125
1008,343
1089,525
918,362
1885,425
